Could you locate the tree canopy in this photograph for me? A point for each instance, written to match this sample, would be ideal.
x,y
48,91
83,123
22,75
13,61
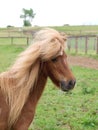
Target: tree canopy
x,y
28,15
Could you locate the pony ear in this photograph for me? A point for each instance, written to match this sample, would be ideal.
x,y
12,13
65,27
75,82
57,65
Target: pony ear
x,y
64,36
56,39
53,40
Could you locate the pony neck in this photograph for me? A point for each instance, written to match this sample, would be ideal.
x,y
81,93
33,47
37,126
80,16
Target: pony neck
x,y
40,84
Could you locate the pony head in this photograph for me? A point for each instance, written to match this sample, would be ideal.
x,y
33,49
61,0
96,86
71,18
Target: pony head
x,y
59,72
52,53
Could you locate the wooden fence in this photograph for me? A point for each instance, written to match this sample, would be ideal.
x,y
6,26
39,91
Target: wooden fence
x,y
83,43
11,40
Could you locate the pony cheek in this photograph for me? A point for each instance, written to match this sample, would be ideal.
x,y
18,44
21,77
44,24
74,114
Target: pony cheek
x,y
54,78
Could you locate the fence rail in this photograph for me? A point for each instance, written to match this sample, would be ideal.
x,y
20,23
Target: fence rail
x,y
11,40
84,43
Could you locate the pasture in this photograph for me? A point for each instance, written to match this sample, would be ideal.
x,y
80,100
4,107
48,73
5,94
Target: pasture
x,y
70,30
76,110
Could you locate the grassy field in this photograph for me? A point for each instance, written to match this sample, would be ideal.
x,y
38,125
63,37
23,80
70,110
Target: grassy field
x,y
70,30
78,30
8,54
76,110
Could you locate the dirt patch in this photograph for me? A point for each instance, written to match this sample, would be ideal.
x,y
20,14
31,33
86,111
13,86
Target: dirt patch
x,y
83,61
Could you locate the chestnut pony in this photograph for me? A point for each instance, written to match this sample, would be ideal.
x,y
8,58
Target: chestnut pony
x,y
22,85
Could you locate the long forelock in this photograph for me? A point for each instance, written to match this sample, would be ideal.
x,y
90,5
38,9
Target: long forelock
x,y
51,43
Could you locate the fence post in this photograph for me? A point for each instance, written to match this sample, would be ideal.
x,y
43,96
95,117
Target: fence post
x,y
76,45
97,46
69,45
27,40
86,44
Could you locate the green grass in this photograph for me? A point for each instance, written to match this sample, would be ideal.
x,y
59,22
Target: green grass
x,y
76,110
71,30
14,41
78,30
91,54
7,55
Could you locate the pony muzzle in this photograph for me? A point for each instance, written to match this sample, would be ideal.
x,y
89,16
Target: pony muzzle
x,y
67,85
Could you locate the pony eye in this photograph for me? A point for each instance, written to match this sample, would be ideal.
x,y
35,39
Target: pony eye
x,y
54,60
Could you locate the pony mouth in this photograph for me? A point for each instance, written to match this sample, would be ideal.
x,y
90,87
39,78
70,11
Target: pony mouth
x,y
67,86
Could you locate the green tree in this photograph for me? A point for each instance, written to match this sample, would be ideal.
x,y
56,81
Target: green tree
x,y
28,15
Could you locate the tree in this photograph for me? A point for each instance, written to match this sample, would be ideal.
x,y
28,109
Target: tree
x,y
28,15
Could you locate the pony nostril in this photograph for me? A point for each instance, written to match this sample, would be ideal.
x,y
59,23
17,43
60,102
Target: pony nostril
x,y
66,86
72,82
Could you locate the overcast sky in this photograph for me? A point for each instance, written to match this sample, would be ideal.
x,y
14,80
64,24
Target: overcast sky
x,y
50,12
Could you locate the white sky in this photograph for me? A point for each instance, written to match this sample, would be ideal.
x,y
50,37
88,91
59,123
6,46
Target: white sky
x,y
50,12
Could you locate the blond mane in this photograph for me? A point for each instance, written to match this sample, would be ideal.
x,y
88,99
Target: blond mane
x,y
19,80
